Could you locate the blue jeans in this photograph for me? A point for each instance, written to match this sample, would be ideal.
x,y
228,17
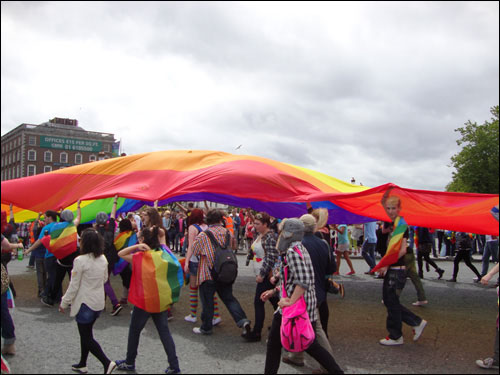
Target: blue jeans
x,y
137,324
51,269
394,282
368,252
490,250
225,291
8,331
86,315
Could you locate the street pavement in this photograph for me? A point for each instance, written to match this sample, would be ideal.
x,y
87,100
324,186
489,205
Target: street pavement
x,y
461,329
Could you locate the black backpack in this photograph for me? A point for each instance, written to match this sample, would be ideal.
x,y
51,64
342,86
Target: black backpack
x,y
109,247
225,269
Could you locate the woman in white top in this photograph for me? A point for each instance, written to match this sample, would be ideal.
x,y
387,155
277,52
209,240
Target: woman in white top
x,y
85,294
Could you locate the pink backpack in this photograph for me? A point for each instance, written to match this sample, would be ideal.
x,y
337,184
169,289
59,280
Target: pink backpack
x,y
297,333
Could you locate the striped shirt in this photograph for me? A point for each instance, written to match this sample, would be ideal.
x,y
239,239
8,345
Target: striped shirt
x,y
205,251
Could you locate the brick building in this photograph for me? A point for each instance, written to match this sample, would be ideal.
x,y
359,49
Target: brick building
x,y
30,149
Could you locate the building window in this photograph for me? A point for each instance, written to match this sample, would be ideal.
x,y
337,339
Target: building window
x,y
18,170
63,157
106,147
47,168
92,158
31,155
32,140
78,159
47,156
31,169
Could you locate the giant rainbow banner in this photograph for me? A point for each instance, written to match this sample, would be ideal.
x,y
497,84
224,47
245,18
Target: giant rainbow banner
x,y
281,189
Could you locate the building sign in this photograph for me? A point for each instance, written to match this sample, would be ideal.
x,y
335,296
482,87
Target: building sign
x,y
70,144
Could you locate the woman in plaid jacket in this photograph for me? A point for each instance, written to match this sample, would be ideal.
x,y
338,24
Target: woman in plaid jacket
x,y
300,282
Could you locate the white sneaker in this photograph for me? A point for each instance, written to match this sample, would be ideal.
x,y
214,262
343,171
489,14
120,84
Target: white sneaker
x,y
197,330
111,367
216,321
419,329
190,318
487,363
420,303
390,342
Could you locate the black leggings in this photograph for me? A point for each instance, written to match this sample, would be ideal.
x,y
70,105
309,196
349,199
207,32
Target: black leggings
x,y
426,255
324,314
464,255
89,344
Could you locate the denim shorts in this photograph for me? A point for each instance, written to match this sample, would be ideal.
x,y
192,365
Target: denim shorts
x,y
193,268
86,315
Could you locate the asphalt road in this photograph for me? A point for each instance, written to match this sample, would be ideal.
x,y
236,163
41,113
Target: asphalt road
x,y
461,329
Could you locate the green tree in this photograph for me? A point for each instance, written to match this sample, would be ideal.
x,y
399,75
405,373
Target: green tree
x,y
477,165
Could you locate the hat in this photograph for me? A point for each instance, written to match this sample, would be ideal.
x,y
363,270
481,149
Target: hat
x,y
309,223
101,218
67,215
292,231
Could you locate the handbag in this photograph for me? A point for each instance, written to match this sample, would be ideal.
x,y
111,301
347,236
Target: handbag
x,y
297,332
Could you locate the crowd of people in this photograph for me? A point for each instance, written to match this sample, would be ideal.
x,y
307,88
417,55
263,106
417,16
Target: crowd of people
x,y
294,259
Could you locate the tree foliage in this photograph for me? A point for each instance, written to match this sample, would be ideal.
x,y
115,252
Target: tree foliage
x,y
477,165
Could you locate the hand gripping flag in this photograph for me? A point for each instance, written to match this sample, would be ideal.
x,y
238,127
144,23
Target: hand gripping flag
x,y
392,254
156,280
62,239
123,240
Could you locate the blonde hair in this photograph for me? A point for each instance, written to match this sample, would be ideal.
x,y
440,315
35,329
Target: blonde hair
x,y
394,200
321,216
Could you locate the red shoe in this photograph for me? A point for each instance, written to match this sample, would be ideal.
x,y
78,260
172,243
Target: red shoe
x,y
336,273
350,273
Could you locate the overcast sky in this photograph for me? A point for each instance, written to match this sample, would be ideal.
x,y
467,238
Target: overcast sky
x,y
366,90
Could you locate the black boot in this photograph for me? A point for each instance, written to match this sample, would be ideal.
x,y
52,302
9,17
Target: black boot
x,y
440,272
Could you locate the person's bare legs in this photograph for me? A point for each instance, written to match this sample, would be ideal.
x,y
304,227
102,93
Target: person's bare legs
x,y
348,260
339,259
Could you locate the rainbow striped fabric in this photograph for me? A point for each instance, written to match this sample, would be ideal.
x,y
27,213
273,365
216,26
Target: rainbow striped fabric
x,y
392,254
157,278
123,240
280,189
62,239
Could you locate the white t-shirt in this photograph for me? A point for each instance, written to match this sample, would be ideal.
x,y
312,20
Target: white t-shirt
x,y
259,254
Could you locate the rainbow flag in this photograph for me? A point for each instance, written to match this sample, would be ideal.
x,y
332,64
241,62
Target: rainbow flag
x,y
183,261
392,254
155,283
280,189
10,299
62,239
123,240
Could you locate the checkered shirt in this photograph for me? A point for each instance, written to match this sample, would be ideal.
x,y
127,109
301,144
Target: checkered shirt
x,y
301,272
271,256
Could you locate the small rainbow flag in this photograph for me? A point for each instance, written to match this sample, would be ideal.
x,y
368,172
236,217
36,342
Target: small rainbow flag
x,y
123,240
10,299
415,237
392,254
155,283
62,239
